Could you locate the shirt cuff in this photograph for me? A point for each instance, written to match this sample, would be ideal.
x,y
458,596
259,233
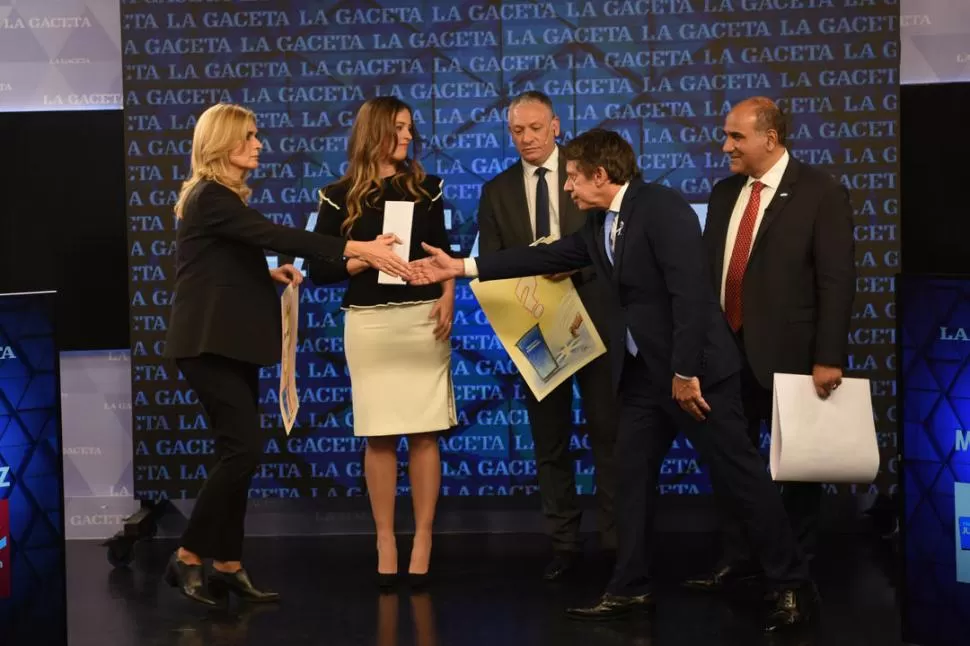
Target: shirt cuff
x,y
471,268
680,376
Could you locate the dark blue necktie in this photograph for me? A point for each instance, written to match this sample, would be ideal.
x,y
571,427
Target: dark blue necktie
x,y
542,204
609,236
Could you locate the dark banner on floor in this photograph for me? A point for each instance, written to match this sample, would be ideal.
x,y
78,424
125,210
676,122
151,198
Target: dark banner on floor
x,y
33,607
663,73
935,382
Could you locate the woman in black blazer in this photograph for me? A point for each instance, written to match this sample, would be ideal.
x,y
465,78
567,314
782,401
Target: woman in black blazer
x,y
225,324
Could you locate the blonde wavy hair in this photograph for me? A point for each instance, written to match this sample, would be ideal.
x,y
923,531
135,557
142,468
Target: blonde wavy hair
x,y
219,131
373,135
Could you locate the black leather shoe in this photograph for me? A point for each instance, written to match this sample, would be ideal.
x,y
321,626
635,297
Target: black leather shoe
x,y
419,580
721,578
612,606
793,607
386,581
238,582
188,579
560,565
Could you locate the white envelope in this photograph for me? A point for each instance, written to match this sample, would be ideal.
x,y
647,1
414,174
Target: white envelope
x,y
822,440
398,217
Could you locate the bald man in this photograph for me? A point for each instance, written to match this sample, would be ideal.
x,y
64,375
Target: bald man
x,y
779,242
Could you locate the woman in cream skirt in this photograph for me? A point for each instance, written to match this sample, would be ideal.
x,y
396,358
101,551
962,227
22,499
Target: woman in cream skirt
x,y
397,336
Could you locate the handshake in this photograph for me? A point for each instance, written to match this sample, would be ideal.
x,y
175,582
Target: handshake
x,y
380,255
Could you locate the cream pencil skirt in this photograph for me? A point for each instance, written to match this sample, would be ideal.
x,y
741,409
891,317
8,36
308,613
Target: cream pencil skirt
x,y
400,375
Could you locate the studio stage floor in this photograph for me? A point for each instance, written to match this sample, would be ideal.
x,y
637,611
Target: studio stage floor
x,y
487,591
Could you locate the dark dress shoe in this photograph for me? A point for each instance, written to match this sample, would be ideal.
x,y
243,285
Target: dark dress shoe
x,y
560,565
386,581
721,578
188,579
793,607
238,582
612,606
417,580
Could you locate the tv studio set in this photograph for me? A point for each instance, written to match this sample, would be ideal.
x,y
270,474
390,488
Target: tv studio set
x,y
691,278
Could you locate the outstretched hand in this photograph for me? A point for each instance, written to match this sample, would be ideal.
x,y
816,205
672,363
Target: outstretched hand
x,y
380,255
436,268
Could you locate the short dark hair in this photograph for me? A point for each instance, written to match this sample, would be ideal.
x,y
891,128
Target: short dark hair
x,y
768,116
600,147
533,95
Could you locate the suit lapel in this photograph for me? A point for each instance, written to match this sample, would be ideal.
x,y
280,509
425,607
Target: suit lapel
x,y
626,207
571,219
599,239
518,204
783,196
719,219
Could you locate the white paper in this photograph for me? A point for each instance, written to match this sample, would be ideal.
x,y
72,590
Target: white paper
x,y
289,400
822,440
398,217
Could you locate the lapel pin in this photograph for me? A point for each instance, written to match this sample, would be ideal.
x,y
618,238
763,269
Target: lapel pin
x,y
783,195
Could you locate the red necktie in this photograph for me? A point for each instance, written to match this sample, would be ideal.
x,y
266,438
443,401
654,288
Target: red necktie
x,y
739,258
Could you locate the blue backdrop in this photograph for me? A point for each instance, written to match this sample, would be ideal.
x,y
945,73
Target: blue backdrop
x,y
33,606
935,354
661,72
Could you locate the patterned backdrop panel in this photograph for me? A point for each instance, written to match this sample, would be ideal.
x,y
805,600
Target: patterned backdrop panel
x,y
662,73
32,572
935,380
935,41
60,55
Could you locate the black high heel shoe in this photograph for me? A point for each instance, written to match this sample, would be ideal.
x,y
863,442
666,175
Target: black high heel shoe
x,y
419,580
188,579
386,581
238,582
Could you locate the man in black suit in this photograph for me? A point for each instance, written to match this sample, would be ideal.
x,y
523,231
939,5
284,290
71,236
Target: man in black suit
x,y
675,366
779,240
526,202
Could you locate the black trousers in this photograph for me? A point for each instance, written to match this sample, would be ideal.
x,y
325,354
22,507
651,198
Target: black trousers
x,y
552,427
648,425
802,500
228,391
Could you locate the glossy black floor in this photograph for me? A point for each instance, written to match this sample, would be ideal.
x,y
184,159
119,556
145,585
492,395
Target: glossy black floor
x,y
487,592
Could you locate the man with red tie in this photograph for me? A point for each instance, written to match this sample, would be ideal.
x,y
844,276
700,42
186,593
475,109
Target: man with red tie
x,y
779,242
676,368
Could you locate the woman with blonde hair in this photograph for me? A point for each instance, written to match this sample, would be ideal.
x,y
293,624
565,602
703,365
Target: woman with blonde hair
x,y
397,336
225,324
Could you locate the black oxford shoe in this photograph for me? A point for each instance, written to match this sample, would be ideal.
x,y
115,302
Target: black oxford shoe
x,y
721,578
613,606
793,607
561,564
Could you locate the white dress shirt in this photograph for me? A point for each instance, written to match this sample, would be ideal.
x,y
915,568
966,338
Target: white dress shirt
x,y
771,180
552,180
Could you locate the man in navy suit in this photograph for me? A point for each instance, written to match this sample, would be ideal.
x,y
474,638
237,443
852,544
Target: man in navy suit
x,y
676,366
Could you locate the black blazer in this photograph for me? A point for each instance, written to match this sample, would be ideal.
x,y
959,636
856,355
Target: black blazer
x,y
428,225
799,283
659,287
504,223
225,301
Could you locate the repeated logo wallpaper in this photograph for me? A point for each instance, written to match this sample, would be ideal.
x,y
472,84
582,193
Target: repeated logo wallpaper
x,y
32,570
663,73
